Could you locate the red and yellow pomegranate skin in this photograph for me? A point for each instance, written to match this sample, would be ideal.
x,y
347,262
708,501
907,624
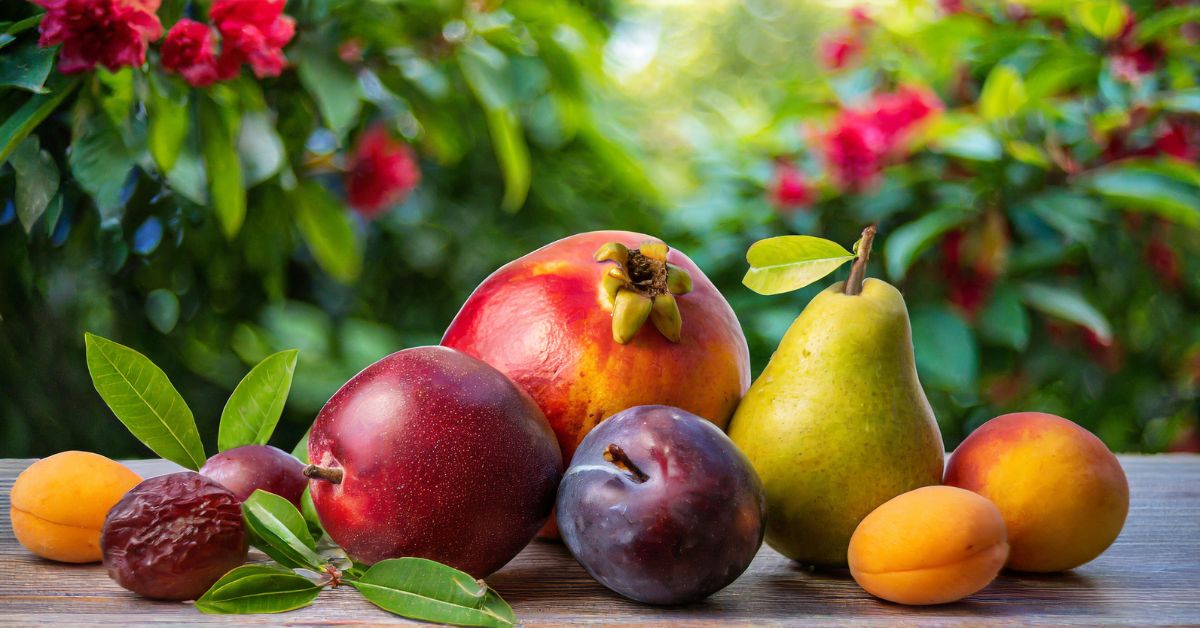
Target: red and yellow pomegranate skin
x,y
544,321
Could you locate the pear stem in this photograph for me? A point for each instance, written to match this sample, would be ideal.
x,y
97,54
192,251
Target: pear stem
x,y
328,474
858,272
619,459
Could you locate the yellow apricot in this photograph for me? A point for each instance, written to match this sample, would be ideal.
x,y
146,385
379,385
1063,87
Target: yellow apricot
x,y
933,545
59,504
1063,494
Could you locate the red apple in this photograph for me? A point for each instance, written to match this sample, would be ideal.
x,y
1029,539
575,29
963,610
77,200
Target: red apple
x,y
432,453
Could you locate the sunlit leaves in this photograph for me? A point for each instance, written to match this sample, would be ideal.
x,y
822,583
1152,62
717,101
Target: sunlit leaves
x,y
254,408
253,589
222,165
1003,94
327,230
1102,18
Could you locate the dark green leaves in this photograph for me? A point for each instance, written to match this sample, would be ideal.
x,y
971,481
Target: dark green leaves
x,y
31,113
947,357
490,77
254,407
907,242
1155,190
251,589
326,228
100,161
787,263
37,180
333,85
279,530
1068,305
428,591
26,67
142,397
218,128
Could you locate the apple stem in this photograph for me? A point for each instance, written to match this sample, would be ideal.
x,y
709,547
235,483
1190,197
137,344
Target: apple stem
x,y
329,474
858,272
620,459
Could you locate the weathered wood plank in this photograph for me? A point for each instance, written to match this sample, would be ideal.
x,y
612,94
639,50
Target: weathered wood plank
x,y
1150,576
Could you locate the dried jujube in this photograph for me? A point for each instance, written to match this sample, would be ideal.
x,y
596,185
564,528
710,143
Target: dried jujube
x,y
173,536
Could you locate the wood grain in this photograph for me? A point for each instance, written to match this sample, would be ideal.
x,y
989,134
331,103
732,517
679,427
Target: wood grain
x,y
1151,575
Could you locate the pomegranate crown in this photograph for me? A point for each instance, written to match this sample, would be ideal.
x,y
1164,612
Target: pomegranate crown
x,y
640,285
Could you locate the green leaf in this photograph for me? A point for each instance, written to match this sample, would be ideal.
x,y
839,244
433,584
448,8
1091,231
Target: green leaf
x,y
1003,94
143,399
1004,320
37,181
167,116
1070,213
309,510
1102,18
259,147
1183,101
947,357
488,74
1028,153
1068,305
300,451
326,228
787,263
26,118
1133,187
428,591
99,160
253,410
1060,69
253,589
333,85
513,155
162,308
969,142
27,67
279,530
1164,19
907,242
221,164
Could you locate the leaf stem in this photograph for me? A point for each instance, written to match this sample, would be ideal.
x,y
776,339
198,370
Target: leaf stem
x,y
858,272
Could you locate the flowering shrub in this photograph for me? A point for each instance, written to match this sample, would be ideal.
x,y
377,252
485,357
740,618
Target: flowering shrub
x,y
210,180
1032,167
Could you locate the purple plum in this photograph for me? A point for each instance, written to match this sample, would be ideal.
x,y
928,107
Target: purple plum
x,y
243,469
660,506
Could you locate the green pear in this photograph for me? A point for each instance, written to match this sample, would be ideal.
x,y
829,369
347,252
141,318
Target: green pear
x,y
838,424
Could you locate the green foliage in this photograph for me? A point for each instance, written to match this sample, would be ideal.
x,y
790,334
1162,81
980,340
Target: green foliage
x,y
253,409
1037,228
254,589
424,590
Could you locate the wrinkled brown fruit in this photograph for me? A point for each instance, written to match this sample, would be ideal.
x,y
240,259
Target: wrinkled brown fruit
x,y
173,536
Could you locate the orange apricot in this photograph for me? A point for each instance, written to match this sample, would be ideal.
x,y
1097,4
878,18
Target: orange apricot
x,y
1063,494
932,545
59,504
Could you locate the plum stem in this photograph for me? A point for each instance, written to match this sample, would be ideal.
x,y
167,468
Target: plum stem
x,y
621,460
329,474
858,272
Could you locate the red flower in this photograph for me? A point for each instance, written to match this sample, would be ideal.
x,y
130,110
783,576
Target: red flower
x,y
896,113
254,32
380,173
113,33
860,18
1163,260
855,149
862,140
839,51
789,190
1179,141
952,7
188,50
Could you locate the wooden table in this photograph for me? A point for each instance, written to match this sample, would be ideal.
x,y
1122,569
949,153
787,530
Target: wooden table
x,y
1151,575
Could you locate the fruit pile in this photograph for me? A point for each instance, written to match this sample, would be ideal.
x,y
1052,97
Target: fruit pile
x,y
433,467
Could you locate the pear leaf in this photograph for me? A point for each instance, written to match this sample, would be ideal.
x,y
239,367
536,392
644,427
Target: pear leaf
x,y
787,263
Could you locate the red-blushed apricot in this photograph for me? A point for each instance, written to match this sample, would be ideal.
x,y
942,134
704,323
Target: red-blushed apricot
x,y
59,504
933,545
1063,494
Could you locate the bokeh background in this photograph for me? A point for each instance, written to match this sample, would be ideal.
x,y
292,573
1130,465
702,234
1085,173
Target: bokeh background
x,y
1032,166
